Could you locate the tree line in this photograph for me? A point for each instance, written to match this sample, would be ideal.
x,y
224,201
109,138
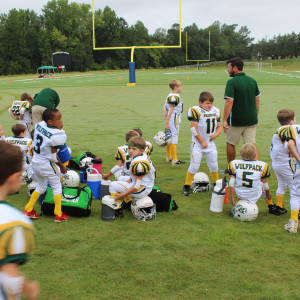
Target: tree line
x,y
27,40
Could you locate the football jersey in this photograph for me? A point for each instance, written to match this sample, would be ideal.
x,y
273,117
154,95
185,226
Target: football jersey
x,y
19,107
248,174
16,235
291,132
45,138
279,152
141,166
149,149
23,143
175,101
207,122
123,155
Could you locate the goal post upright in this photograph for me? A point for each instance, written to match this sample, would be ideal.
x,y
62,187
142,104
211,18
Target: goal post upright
x,y
197,60
133,47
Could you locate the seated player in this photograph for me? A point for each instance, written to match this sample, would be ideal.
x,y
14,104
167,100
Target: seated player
x,y
123,159
16,230
142,175
48,137
249,177
2,136
20,140
149,146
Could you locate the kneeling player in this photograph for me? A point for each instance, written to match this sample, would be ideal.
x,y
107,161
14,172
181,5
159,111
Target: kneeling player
x,y
249,177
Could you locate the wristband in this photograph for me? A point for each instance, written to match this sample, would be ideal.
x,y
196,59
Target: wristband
x,y
232,182
265,186
194,131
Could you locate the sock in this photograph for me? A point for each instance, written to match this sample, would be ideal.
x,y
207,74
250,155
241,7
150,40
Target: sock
x,y
279,200
168,147
174,151
57,207
127,199
270,202
189,178
34,197
294,214
215,176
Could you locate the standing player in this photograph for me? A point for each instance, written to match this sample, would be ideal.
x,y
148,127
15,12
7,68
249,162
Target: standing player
x,y
173,107
205,127
282,162
48,138
293,137
16,230
21,110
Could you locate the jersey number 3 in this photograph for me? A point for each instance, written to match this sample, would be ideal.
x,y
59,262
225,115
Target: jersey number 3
x,y
38,143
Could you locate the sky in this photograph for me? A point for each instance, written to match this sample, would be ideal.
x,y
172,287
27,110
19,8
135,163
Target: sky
x,y
263,18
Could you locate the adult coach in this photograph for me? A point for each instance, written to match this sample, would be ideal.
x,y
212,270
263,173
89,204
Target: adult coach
x,y
46,98
241,109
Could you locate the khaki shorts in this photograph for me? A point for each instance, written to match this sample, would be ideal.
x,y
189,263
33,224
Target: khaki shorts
x,y
37,114
235,132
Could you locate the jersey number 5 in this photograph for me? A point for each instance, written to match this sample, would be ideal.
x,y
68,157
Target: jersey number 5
x,y
247,182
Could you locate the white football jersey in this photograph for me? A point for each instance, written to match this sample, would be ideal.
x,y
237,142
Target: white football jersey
x,y
279,152
22,107
174,100
248,174
291,132
149,149
141,166
207,122
123,155
45,138
23,143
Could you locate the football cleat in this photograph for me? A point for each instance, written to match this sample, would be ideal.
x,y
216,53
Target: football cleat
x,y
272,209
291,226
178,162
63,217
119,213
168,159
279,211
31,214
186,190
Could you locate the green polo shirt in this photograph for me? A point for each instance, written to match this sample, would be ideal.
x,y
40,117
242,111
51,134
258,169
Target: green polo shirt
x,y
47,98
243,90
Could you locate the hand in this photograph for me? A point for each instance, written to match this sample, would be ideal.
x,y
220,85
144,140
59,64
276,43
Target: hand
x,y
268,195
33,290
118,197
204,145
212,137
63,169
105,176
165,115
225,127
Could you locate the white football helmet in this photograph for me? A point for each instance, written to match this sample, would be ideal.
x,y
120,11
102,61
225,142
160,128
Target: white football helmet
x,y
143,209
25,179
244,211
162,139
71,179
31,187
200,183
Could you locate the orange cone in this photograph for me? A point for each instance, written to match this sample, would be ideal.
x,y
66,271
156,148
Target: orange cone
x,y
120,78
9,79
188,77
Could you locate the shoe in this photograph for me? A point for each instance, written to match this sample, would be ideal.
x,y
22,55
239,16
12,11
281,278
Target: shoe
x,y
168,159
272,209
186,190
119,213
299,215
291,226
63,217
280,211
225,171
178,162
31,214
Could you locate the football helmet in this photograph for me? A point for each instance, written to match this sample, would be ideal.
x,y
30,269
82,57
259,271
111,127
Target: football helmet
x,y
200,183
71,179
86,162
24,178
31,187
244,211
143,209
162,139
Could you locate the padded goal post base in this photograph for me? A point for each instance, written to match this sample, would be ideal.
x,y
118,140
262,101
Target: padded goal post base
x,y
131,84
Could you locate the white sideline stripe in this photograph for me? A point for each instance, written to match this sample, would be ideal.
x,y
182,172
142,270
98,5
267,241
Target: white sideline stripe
x,y
185,73
281,74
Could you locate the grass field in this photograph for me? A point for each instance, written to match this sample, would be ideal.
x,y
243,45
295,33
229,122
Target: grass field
x,y
190,253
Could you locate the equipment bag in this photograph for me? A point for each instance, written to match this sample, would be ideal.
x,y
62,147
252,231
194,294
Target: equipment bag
x,y
75,161
163,201
74,201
